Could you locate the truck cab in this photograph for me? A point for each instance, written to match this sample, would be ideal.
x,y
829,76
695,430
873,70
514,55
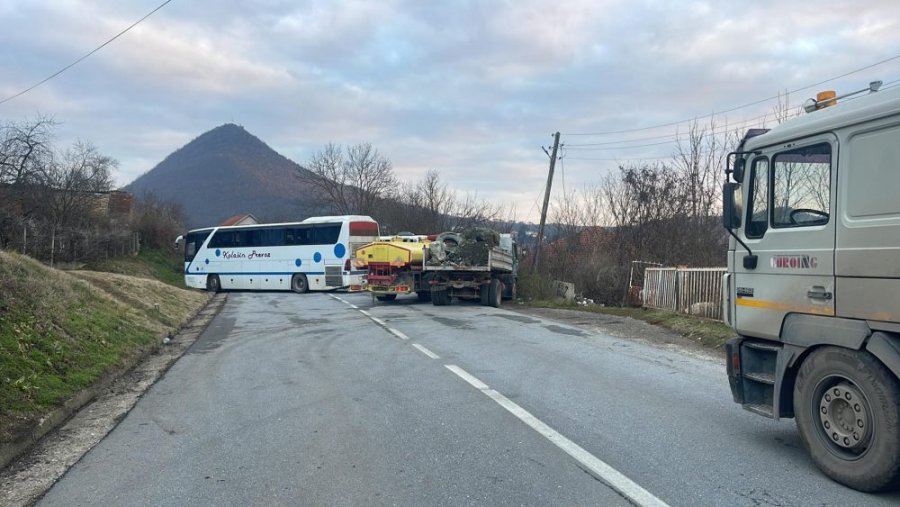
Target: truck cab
x,y
812,287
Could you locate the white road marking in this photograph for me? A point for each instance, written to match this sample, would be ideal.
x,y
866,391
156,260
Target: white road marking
x,y
378,321
426,351
398,334
367,314
625,486
348,303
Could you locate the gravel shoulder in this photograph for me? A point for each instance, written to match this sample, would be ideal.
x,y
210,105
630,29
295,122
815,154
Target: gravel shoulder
x,y
622,327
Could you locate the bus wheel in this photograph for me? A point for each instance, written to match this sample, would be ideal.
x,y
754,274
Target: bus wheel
x,y
847,406
299,284
212,283
495,293
386,297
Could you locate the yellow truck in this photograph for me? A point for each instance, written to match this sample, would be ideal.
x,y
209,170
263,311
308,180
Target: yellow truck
x,y
394,266
476,264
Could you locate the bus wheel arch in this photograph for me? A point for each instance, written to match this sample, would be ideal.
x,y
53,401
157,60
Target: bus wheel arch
x,y
847,409
299,283
213,284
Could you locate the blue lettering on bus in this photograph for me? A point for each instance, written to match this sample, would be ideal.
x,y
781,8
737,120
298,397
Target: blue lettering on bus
x,y
317,257
297,262
218,252
206,261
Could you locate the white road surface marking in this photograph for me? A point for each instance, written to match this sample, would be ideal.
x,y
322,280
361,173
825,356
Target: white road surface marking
x,y
615,479
398,333
425,351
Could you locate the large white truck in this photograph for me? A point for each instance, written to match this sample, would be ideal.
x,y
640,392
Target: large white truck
x,y
813,281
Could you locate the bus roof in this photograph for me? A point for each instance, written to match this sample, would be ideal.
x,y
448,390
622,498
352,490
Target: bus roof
x,y
846,112
339,218
311,220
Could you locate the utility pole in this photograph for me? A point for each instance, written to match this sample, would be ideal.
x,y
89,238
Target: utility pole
x,y
540,237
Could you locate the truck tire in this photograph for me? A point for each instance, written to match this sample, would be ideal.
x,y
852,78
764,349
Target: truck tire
x,y
484,293
299,283
495,293
509,287
440,297
847,406
213,284
386,297
424,295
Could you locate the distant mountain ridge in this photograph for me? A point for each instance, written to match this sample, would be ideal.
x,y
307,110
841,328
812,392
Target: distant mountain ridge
x,y
228,171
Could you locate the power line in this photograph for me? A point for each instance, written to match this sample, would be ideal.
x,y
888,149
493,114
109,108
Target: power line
x,y
676,137
670,124
76,62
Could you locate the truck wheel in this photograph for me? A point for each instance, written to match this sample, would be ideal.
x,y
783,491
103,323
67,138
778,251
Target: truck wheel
x,y
509,287
847,406
440,297
213,284
424,296
484,293
495,293
386,297
299,283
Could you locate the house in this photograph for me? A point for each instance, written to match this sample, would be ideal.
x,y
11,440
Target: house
x,y
246,219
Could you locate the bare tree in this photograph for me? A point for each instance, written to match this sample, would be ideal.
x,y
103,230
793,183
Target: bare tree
x,y
437,200
71,181
25,149
783,110
354,183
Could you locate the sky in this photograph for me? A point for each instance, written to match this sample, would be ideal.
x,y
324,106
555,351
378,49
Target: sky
x,y
472,89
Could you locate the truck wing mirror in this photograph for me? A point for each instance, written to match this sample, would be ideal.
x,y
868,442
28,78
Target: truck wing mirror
x,y
731,215
738,169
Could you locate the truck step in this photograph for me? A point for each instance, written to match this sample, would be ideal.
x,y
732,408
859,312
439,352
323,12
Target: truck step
x,y
765,378
761,346
756,408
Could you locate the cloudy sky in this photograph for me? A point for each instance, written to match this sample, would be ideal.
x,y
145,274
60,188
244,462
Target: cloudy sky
x,y
470,88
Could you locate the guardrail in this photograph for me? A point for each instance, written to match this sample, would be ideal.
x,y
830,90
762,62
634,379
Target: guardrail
x,y
695,291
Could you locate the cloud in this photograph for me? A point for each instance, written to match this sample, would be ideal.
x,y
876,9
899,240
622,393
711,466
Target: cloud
x,y
473,89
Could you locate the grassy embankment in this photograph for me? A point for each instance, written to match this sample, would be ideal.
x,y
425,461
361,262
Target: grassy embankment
x,y
62,331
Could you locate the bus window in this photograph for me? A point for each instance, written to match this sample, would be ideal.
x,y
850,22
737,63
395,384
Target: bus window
x,y
192,244
327,234
299,236
270,237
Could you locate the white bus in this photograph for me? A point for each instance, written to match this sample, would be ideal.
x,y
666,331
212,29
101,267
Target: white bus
x,y
315,254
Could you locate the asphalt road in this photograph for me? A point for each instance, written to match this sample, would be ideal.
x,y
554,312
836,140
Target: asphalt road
x,y
329,399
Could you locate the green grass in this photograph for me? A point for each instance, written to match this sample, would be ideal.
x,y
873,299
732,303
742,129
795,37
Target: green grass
x,y
708,333
62,331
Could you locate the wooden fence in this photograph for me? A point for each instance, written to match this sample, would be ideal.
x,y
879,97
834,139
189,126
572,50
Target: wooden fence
x,y
695,291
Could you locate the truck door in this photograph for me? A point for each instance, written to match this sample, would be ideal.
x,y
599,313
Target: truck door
x,y
790,226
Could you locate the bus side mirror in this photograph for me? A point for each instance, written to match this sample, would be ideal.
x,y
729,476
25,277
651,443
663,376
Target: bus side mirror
x,y
731,214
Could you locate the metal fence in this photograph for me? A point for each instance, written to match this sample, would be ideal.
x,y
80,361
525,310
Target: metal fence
x,y
695,291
